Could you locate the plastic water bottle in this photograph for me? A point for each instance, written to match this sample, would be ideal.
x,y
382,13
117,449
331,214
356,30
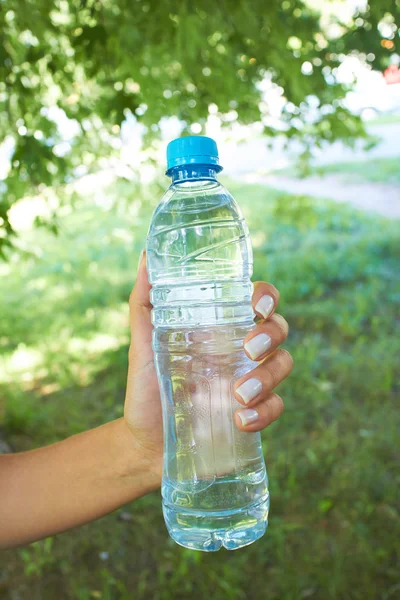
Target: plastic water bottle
x,y
199,260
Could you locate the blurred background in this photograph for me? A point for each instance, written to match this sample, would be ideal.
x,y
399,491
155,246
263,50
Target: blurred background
x,y
303,99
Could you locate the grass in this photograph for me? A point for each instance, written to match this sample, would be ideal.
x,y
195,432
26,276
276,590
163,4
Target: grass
x,y
378,170
331,458
384,120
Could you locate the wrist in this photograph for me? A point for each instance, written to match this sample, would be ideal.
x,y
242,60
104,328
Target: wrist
x,y
136,462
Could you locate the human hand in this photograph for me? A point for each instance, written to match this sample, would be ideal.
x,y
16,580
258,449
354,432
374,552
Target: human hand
x,y
254,390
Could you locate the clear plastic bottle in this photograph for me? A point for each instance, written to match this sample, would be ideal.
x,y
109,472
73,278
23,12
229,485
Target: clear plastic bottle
x,y
199,260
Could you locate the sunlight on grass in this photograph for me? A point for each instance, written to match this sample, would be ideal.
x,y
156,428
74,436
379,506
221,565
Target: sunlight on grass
x,y
22,362
97,344
377,170
26,364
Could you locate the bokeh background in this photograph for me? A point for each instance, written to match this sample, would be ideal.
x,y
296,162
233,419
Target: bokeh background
x,y
304,101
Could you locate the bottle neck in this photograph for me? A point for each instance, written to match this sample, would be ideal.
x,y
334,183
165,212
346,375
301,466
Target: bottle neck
x,y
193,173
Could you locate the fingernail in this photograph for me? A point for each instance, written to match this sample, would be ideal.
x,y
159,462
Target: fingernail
x,y
258,345
265,305
248,415
249,389
140,259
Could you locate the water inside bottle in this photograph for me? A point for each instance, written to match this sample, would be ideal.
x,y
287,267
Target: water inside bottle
x,y
199,257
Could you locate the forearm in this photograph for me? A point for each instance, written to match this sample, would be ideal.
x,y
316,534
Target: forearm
x,y
48,490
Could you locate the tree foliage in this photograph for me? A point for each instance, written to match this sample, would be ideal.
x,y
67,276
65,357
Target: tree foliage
x,y
91,63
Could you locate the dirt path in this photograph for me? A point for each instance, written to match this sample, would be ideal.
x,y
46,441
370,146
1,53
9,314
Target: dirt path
x,y
372,197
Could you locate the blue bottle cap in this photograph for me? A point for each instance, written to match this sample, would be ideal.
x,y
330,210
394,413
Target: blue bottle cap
x,y
192,150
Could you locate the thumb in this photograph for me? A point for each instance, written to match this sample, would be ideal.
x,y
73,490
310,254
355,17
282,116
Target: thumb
x,y
140,353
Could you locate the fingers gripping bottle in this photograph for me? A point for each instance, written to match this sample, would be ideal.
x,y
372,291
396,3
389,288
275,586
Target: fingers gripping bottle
x,y
199,260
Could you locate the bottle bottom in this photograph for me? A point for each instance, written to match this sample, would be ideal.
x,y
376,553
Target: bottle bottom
x,y
210,531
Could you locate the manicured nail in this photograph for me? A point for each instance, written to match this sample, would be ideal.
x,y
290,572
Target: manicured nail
x,y
249,389
140,259
258,345
265,305
248,415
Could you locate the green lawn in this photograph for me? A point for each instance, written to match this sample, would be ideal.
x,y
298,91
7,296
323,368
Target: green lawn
x,y
335,523
384,120
378,170
384,170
